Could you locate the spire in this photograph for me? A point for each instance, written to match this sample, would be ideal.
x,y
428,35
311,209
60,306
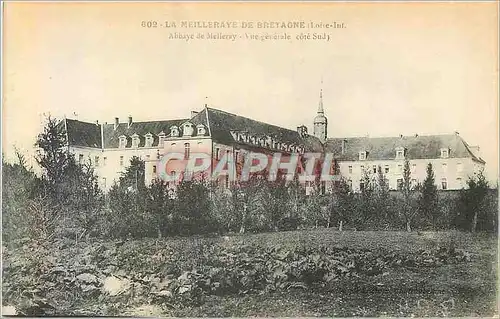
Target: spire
x,y
320,107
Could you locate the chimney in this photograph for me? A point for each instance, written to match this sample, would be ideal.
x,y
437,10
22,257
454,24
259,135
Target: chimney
x,y
344,141
97,122
456,133
116,122
416,134
193,113
302,130
400,135
129,121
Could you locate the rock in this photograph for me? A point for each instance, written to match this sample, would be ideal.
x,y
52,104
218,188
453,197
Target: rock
x,y
87,278
9,311
115,286
87,288
184,289
146,311
164,293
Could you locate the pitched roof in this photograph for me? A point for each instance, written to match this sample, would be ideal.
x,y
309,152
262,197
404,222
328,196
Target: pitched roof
x,y
111,135
83,133
222,123
384,148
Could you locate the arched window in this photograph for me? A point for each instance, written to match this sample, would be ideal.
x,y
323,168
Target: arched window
x,y
188,129
122,141
200,129
174,131
135,141
161,139
149,140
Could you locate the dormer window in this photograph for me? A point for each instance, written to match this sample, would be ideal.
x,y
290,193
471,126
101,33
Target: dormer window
x,y
362,155
135,141
149,140
122,141
400,153
174,131
445,153
161,139
188,129
200,130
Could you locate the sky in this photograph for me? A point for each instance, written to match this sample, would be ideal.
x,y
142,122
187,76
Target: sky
x,y
395,68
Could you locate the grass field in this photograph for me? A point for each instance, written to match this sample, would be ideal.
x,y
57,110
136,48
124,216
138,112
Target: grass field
x,y
464,288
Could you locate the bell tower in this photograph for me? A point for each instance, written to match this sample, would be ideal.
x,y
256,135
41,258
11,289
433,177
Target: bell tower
x,y
320,121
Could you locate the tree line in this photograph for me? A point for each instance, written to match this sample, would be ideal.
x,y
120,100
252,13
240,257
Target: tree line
x,y
66,201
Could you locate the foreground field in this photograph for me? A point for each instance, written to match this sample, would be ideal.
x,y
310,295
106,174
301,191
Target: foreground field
x,y
301,273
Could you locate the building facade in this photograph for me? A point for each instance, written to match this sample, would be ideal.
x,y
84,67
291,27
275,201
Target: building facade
x,y
109,147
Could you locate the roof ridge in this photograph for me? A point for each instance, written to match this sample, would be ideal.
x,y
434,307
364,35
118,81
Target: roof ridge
x,y
155,121
229,113
393,136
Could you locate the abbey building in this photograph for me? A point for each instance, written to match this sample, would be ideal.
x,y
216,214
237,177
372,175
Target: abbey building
x,y
110,146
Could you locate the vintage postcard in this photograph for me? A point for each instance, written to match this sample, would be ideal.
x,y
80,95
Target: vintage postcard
x,y
213,159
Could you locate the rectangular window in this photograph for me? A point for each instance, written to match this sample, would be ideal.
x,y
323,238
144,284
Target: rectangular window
x,y
135,141
386,169
374,169
362,185
362,156
350,169
400,183
217,153
459,182
444,184
400,168
413,168
236,156
104,182
97,161
104,161
400,154
349,182
147,157
161,140
460,168
154,169
444,153
121,160
80,158
362,169
149,140
445,167
186,150
413,182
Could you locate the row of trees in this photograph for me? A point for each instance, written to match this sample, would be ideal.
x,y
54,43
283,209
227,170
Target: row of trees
x,y
67,202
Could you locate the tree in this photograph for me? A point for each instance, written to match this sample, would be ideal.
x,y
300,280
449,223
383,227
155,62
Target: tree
x,y
71,189
192,213
428,200
160,205
382,199
20,187
366,211
52,154
408,210
341,204
133,177
276,200
473,202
